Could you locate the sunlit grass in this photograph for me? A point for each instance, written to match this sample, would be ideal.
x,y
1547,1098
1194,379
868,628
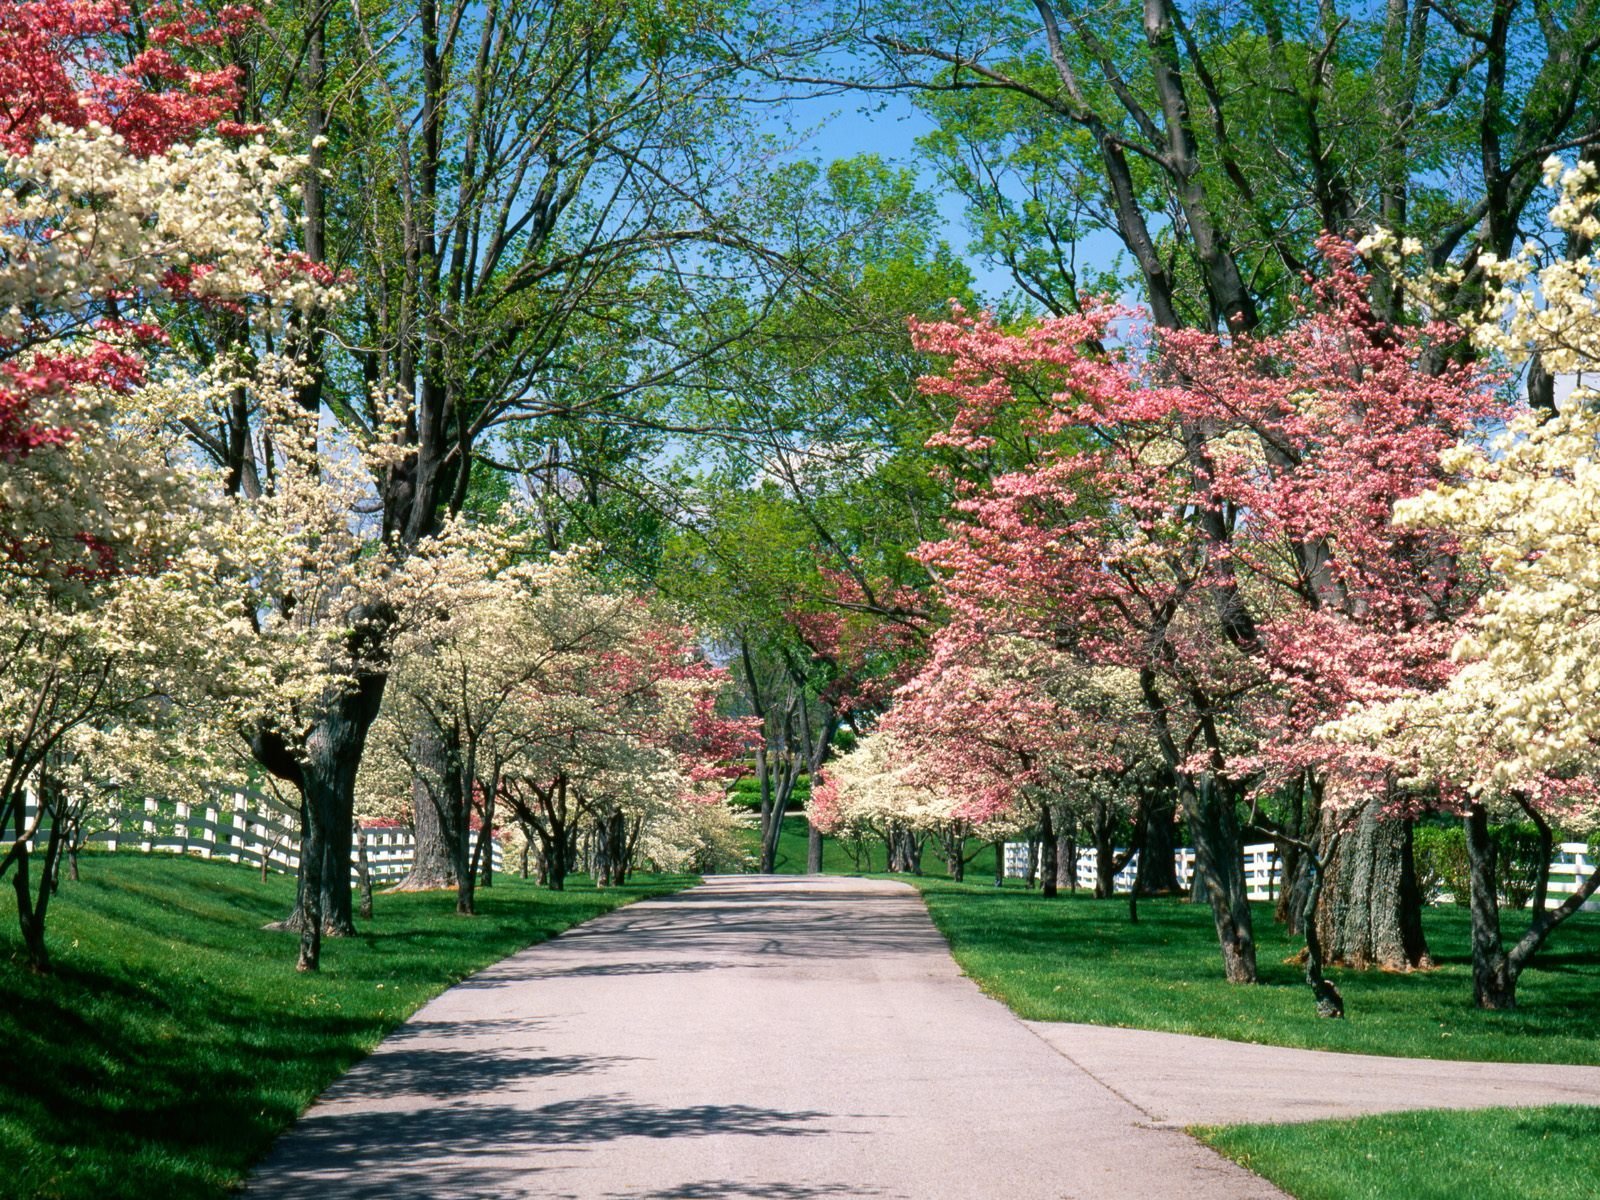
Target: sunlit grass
x,y
1078,959
1493,1154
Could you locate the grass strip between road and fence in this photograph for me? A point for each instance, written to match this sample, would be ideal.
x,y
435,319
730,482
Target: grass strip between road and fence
x,y
1074,958
175,1040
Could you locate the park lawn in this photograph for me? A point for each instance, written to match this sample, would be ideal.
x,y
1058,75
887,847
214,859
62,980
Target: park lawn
x,y
175,1039
1078,959
1490,1154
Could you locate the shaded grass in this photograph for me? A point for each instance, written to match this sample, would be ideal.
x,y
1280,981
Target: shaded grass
x,y
1078,959
176,1040
1492,1154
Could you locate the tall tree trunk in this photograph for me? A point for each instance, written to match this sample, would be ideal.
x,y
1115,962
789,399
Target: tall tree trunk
x,y
327,779
1000,864
1329,1002
1371,910
1066,862
363,874
955,850
813,850
33,905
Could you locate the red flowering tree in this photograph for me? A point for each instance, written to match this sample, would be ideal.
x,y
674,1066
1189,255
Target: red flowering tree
x,y
1213,516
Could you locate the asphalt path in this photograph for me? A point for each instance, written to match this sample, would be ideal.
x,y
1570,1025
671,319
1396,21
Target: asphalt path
x,y
780,1037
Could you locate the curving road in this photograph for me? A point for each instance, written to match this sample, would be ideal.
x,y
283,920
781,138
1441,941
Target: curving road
x,y
790,1038
754,1037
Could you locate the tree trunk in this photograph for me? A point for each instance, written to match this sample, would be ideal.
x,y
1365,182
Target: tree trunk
x,y
484,849
1050,867
999,864
1157,871
1105,866
32,908
813,851
363,874
433,866
1494,984
955,850
1067,860
1329,1003
1371,912
1219,872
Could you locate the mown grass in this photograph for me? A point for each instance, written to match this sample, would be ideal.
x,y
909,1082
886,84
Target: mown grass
x,y
1492,1154
175,1039
1078,959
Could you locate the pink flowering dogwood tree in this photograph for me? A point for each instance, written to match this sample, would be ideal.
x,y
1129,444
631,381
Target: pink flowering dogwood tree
x,y
1212,516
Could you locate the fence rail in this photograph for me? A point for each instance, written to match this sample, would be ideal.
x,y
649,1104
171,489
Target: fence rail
x,y
1572,863
246,827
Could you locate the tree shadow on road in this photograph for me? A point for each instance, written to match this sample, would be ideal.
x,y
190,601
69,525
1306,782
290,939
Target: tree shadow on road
x,y
441,1071
465,1150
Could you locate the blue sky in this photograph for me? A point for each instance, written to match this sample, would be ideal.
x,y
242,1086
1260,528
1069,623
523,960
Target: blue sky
x,y
840,127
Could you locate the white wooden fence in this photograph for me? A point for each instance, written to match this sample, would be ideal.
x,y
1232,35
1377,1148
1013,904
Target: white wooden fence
x,y
244,827
1572,864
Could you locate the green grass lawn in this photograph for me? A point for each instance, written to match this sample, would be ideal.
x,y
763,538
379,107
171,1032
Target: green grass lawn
x,y
1493,1154
1078,959
175,1039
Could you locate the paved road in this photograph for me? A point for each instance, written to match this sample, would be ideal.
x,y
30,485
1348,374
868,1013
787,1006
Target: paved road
x,y
1179,1080
755,1037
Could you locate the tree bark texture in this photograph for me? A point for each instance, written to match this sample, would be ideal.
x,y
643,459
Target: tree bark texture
x,y
1371,911
1157,870
1219,872
434,867
1494,984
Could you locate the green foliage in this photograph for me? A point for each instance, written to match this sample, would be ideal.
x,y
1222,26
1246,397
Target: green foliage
x,y
1078,959
1491,1154
175,1040
1441,857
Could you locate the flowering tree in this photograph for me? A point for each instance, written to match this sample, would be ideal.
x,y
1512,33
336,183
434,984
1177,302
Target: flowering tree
x,y
879,788
1515,729
1213,517
574,704
113,201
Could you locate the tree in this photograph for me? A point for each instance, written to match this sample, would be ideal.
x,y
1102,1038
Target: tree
x,y
1215,142
580,707
1513,729
535,275
879,788
114,201
1217,524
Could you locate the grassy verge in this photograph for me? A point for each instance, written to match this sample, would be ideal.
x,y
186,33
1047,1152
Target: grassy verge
x,y
175,1039
1493,1154
1078,959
